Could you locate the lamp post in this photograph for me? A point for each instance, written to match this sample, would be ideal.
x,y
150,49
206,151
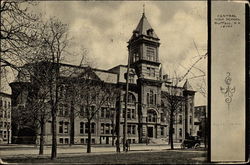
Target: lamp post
x,y
8,133
126,107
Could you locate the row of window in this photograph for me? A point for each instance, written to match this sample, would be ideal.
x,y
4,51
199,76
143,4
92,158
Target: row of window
x,y
151,72
131,113
5,104
82,140
5,125
5,114
63,127
151,98
4,134
131,129
106,128
107,113
84,128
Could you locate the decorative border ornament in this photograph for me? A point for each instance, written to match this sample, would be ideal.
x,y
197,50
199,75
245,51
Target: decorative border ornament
x,y
228,91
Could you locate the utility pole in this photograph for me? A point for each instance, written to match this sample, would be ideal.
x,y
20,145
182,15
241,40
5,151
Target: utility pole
x,y
126,106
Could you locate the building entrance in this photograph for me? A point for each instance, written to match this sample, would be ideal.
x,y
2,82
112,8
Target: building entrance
x,y
107,140
150,132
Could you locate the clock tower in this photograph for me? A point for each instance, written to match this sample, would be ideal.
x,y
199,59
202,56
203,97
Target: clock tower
x,y
143,49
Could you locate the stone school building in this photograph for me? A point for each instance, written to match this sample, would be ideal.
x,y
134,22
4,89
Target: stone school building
x,y
147,115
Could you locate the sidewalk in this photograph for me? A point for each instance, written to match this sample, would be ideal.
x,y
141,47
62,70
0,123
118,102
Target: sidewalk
x,y
21,150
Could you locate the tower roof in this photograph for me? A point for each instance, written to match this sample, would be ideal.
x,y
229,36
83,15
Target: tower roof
x,y
187,86
144,28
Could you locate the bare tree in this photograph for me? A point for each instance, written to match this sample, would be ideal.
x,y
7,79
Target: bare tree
x,y
91,95
111,102
17,33
173,102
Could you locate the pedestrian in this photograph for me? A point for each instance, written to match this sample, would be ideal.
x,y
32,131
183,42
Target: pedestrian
x,y
126,145
117,146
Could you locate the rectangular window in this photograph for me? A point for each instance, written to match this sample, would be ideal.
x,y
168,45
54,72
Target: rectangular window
x,y
66,127
123,114
61,140
102,128
133,114
93,141
107,113
151,99
147,98
129,129
148,71
107,128
4,134
86,128
155,99
180,119
93,128
82,140
129,114
133,129
8,114
131,78
60,127
150,53
81,128
66,140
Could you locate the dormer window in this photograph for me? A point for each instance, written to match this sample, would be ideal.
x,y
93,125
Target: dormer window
x,y
135,33
150,32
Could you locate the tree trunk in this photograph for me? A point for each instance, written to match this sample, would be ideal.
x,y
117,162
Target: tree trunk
x,y
113,132
54,135
171,130
89,137
72,124
118,115
41,148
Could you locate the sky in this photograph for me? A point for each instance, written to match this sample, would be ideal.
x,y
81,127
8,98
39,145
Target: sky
x,y
104,28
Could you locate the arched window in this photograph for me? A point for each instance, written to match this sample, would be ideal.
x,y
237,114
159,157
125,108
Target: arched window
x,y
152,116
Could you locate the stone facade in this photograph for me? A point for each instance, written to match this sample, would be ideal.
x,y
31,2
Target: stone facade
x,y
5,118
147,113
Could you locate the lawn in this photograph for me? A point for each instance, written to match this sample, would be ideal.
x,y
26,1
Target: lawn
x,y
163,157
